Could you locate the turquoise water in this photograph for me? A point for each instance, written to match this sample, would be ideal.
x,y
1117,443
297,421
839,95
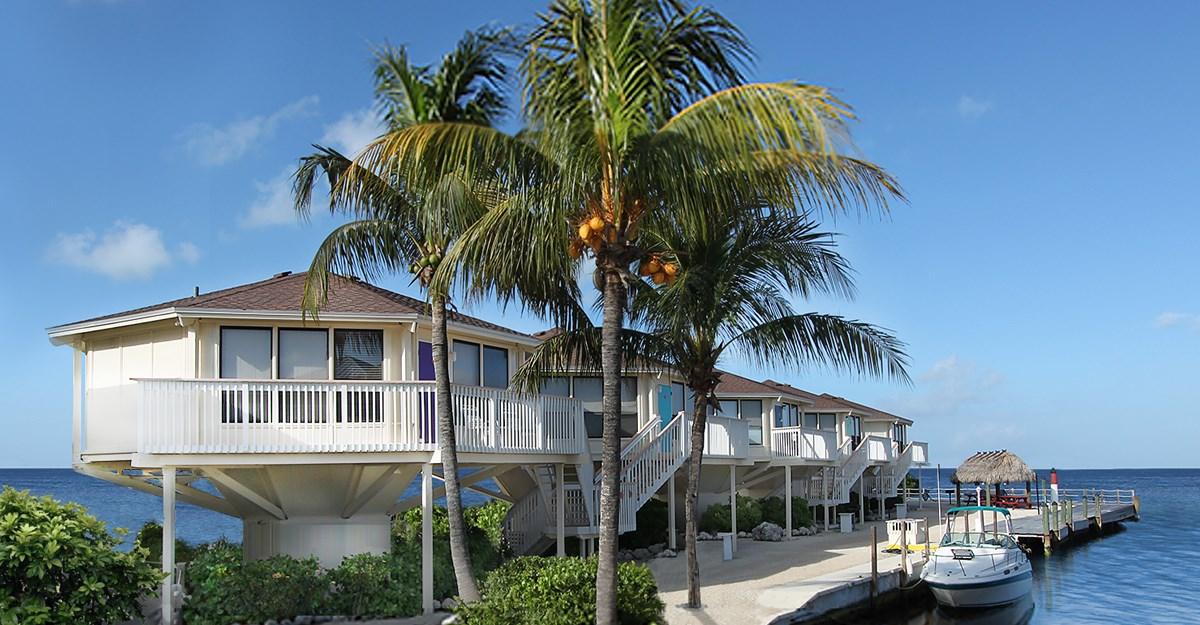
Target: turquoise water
x,y
127,508
1147,573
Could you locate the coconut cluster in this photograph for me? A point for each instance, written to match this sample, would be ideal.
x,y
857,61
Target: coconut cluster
x,y
430,259
592,233
658,270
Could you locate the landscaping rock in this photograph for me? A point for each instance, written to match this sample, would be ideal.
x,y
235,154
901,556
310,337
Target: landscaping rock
x,y
743,534
767,531
450,620
667,553
656,549
303,620
641,554
270,621
449,603
286,621
437,605
705,536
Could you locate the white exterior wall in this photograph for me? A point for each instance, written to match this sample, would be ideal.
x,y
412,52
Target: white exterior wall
x,y
110,398
329,539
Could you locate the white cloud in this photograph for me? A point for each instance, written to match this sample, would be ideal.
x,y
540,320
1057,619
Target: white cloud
x,y
973,108
953,387
126,251
211,145
1178,319
188,252
274,205
353,131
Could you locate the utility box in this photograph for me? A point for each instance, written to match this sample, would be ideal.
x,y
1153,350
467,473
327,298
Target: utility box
x,y
901,511
846,522
906,532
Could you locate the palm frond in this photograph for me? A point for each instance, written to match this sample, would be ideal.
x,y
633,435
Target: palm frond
x,y
813,339
368,249
578,350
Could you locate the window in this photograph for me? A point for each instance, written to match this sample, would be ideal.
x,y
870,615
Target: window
x,y
358,354
245,355
728,408
590,391
465,369
559,386
787,416
810,420
495,367
900,433
303,354
678,395
853,427
476,365
752,410
828,421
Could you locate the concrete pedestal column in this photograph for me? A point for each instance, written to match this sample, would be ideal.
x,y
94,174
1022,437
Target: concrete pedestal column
x,y
427,538
787,501
671,512
168,545
733,504
560,512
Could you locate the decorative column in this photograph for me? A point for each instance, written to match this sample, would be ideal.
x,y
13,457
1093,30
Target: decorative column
x,y
427,538
168,545
560,510
733,504
671,512
787,501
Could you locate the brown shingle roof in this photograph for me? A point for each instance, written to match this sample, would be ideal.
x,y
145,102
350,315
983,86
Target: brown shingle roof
x,y
820,403
284,292
869,411
732,383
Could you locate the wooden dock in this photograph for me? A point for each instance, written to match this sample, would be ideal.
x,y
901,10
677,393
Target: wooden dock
x,y
1075,516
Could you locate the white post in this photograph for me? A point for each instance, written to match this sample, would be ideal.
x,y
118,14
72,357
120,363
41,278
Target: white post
x,y
671,512
825,494
938,479
733,503
76,404
168,545
862,499
427,538
560,511
787,501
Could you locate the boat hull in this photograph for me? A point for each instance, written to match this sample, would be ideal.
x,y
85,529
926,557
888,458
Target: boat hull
x,y
982,592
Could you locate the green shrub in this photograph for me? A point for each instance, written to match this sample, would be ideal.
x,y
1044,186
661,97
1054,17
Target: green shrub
x,y
772,510
59,564
651,526
484,528
561,591
716,517
373,586
224,589
150,537
406,527
488,518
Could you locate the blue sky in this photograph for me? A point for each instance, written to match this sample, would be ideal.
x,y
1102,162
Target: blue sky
x,y
1043,272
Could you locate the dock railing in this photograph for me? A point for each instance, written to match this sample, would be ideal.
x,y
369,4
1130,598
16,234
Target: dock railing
x,y
1119,496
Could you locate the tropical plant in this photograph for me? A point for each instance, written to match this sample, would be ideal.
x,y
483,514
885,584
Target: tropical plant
x,y
637,115
60,565
729,294
561,591
395,225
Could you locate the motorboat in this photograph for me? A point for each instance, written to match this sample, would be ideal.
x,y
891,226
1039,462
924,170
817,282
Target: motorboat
x,y
977,566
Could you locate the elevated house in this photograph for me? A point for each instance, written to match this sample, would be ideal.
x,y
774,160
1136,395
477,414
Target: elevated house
x,y
311,430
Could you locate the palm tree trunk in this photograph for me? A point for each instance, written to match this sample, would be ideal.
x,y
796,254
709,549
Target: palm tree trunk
x,y
460,555
610,455
696,454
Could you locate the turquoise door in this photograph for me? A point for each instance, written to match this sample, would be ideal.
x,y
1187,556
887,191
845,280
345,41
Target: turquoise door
x,y
664,403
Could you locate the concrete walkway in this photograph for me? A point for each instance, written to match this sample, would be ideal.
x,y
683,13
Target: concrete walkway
x,y
766,580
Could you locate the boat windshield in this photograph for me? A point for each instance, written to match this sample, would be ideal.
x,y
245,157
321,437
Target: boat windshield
x,y
978,539
974,529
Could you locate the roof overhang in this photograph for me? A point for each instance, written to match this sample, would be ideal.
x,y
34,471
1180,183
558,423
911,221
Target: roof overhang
x,y
62,334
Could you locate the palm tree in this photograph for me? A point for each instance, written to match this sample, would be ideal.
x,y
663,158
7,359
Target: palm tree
x,y
397,225
729,293
636,111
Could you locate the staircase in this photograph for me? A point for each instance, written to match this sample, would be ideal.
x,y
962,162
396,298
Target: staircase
x,y
835,489
893,476
648,460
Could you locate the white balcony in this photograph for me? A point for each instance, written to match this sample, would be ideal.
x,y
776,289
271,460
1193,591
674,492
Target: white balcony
x,y
880,450
920,454
182,416
726,437
803,444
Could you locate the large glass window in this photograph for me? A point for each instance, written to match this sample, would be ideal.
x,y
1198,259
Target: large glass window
x,y
559,386
787,416
303,354
900,433
466,363
752,410
425,361
728,408
246,353
590,391
495,367
853,426
678,394
358,354
828,421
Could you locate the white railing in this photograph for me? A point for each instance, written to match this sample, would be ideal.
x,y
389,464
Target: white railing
x,y
1107,496
285,416
879,449
525,523
726,437
920,454
646,464
805,443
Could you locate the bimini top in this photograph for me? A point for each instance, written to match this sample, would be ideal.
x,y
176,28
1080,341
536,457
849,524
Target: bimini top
x,y
1003,511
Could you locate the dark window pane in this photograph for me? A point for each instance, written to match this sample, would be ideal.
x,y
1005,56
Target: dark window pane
x,y
752,410
246,353
728,408
558,386
466,363
828,421
810,420
358,354
424,361
590,391
495,367
678,397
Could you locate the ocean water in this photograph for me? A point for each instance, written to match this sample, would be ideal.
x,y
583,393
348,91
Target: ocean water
x,y
1149,572
122,507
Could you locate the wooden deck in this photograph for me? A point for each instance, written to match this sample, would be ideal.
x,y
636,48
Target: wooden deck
x,y
1066,523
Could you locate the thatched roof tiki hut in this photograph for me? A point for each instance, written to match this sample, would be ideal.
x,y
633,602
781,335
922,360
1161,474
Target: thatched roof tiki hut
x,y
993,468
